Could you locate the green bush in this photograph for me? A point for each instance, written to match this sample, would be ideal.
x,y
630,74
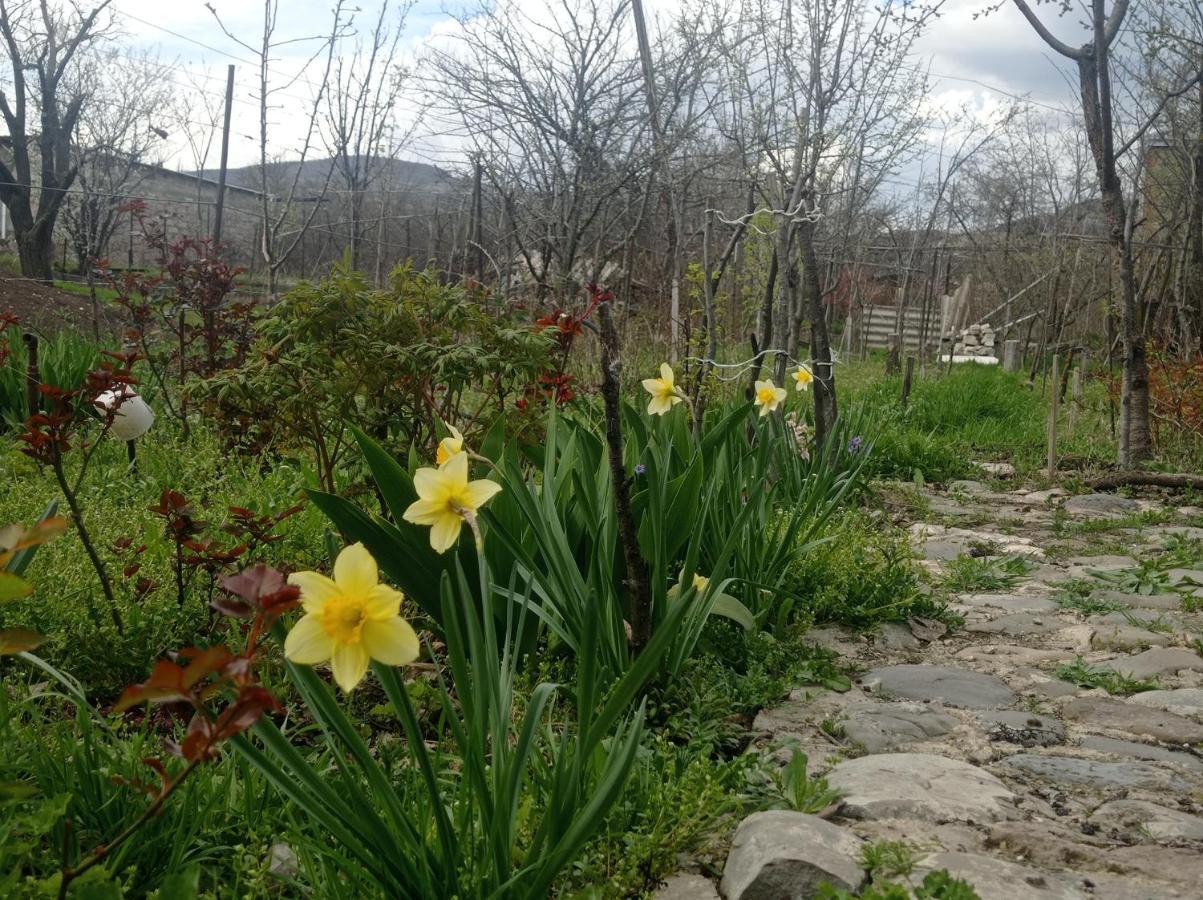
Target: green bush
x,y
862,573
393,362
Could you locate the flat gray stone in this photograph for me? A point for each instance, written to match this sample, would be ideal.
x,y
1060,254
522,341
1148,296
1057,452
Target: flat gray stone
x,y
1142,817
955,687
1012,603
1141,601
965,486
1129,617
942,551
1026,729
1158,661
997,879
888,726
1054,688
919,786
1136,750
1182,702
1018,625
1101,505
1185,576
896,636
1127,637
687,886
783,854
1095,773
997,469
1119,715
1106,563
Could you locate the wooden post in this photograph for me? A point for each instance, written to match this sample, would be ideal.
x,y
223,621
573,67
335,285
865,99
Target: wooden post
x,y
1075,399
1011,356
1054,399
892,352
906,379
33,377
219,213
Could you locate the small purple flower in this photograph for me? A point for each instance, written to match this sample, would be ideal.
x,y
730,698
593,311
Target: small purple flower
x,y
640,469
855,445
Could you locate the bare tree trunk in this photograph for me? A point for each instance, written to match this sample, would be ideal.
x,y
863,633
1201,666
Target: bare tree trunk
x,y
820,339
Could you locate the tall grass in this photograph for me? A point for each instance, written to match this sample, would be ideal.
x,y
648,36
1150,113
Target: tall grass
x,y
63,360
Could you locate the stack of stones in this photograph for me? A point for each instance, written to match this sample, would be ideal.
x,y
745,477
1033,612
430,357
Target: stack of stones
x,y
976,340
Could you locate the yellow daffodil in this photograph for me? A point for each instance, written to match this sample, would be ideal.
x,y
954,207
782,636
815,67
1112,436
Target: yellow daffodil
x,y
449,446
447,499
665,394
350,620
802,379
768,396
700,582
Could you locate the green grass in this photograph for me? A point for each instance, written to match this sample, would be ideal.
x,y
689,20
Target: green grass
x,y
864,573
978,574
104,293
1083,674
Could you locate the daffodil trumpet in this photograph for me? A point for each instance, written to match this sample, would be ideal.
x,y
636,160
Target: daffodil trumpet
x,y
767,396
350,620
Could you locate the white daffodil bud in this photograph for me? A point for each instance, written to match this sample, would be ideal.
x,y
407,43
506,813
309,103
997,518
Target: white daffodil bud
x,y
133,417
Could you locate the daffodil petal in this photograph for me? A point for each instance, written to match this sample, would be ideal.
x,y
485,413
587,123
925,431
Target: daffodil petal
x,y
349,663
444,532
308,643
392,641
478,493
423,512
455,470
666,374
651,385
429,483
316,589
355,570
658,406
383,602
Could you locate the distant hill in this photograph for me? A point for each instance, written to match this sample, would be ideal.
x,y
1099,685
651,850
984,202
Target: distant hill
x,y
399,174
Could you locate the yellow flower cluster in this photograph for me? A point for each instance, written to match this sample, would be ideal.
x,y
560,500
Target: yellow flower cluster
x,y
767,396
352,618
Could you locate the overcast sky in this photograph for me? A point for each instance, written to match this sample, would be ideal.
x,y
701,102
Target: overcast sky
x,y
980,62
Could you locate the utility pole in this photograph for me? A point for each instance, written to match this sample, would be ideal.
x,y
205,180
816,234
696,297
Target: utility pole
x,y
477,226
225,157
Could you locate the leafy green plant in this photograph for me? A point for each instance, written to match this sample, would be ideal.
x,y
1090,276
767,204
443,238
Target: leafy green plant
x,y
1078,595
64,359
1084,674
1145,578
860,573
967,574
937,885
796,790
888,859
507,795
392,362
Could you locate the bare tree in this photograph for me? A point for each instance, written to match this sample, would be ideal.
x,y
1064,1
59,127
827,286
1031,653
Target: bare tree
x,y
281,210
1094,60
553,110
116,139
46,44
361,130
809,112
